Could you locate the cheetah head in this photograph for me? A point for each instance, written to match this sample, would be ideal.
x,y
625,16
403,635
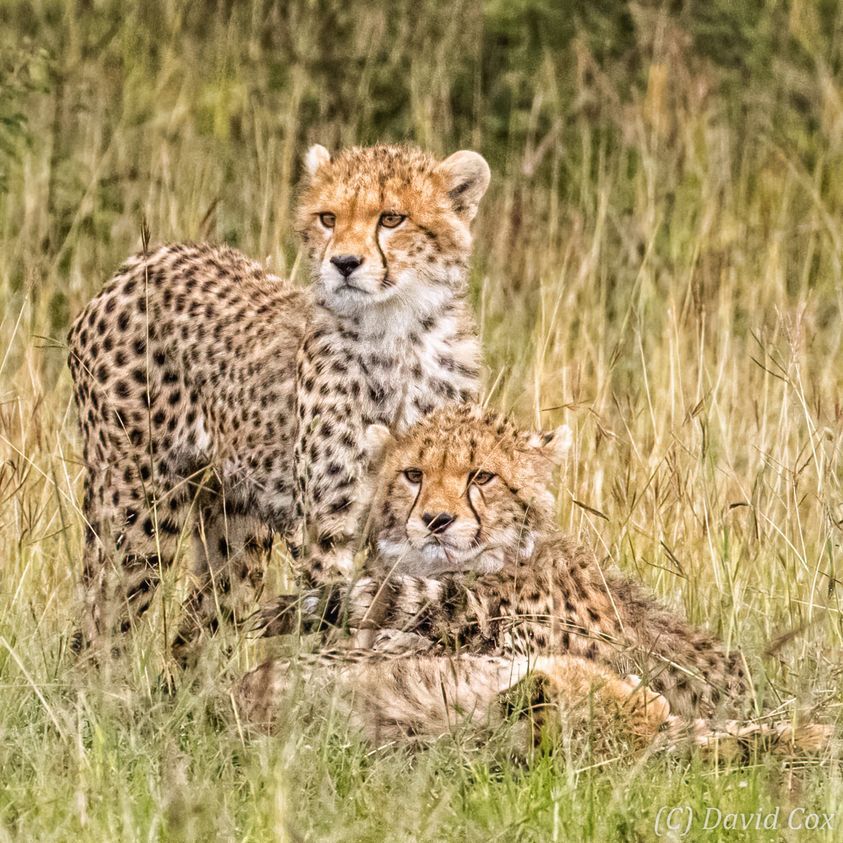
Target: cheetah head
x,y
463,490
388,225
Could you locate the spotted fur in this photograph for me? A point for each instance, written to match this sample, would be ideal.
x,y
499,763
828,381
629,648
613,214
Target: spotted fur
x,y
217,400
421,698
414,698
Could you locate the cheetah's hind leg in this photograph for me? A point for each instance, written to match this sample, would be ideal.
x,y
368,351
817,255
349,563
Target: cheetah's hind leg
x,y
574,699
134,527
231,552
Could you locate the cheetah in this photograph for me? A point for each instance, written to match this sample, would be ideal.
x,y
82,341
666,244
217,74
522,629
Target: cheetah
x,y
556,701
415,699
463,554
219,401
472,592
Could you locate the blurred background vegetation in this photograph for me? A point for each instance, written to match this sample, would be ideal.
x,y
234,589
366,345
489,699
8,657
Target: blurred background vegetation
x,y
659,261
109,107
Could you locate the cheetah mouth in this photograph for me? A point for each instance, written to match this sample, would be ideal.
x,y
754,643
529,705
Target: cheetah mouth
x,y
437,557
454,551
348,286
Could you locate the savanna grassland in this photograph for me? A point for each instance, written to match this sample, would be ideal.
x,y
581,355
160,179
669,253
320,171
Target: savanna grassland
x,y
659,262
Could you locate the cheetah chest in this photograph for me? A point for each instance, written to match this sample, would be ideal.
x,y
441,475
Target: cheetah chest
x,y
407,378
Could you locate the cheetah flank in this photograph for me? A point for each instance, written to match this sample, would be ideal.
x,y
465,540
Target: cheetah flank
x,y
214,396
416,699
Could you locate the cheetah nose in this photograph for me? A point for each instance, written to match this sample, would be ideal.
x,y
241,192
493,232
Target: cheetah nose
x,y
438,523
346,264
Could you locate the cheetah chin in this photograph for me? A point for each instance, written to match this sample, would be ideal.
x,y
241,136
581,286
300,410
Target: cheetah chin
x,y
434,558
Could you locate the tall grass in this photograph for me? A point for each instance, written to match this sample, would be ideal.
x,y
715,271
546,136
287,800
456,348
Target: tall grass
x,y
658,262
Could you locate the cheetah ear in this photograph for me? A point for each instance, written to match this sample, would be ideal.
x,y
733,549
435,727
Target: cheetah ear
x,y
377,441
467,176
315,157
553,445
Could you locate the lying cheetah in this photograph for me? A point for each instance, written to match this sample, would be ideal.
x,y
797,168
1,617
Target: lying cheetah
x,y
552,700
465,496
419,698
213,394
464,555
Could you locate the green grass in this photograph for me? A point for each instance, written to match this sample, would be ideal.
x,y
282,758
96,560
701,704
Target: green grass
x,y
659,262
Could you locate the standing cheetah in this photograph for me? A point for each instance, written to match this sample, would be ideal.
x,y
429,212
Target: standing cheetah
x,y
215,395
463,554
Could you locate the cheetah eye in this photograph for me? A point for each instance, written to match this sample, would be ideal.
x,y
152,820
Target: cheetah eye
x,y
414,475
328,220
481,478
390,220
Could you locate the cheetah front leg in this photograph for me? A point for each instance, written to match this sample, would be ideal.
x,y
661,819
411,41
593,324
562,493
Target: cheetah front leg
x,y
335,455
230,559
330,506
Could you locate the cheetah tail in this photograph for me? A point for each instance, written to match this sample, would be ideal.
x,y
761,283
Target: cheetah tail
x,y
736,740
